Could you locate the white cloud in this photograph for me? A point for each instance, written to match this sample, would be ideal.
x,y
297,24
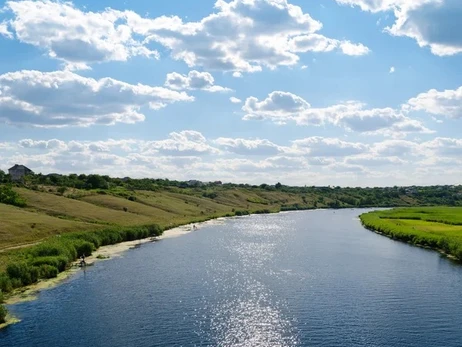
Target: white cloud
x,y
279,107
185,143
242,36
304,67
62,98
395,148
444,147
249,147
328,147
446,103
353,49
432,23
53,144
282,107
195,80
320,43
392,69
73,36
235,100
4,30
189,155
371,161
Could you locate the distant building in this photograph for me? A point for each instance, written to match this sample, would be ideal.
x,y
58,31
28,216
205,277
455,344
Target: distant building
x,y
18,172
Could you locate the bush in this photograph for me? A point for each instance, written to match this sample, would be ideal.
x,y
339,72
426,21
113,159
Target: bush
x,y
3,313
210,195
23,273
48,271
10,197
83,248
56,247
58,262
5,283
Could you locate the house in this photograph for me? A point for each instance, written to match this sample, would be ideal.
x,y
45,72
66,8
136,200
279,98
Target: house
x,y
18,172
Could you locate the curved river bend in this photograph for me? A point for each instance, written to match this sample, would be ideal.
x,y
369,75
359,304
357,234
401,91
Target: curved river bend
x,y
313,278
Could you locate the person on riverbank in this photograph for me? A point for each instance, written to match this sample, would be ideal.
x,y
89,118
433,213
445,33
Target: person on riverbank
x,y
82,260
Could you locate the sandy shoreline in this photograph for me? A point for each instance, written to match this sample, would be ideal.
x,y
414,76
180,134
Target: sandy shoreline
x,y
103,253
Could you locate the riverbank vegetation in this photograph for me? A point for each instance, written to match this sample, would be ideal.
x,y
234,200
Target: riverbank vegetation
x,y
3,310
439,228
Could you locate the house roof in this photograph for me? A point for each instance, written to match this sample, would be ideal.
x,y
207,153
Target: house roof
x,y
16,166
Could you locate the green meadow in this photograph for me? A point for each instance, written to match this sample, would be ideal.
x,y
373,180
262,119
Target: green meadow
x,y
435,227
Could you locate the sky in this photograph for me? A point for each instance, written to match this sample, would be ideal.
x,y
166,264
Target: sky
x,y
320,92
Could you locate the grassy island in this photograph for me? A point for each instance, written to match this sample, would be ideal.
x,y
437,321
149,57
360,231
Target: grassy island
x,y
439,228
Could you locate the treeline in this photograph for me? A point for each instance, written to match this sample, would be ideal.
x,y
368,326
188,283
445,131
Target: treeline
x,y
334,197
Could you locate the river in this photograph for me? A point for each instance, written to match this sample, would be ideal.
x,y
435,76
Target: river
x,y
314,278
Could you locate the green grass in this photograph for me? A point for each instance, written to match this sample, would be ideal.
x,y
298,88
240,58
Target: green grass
x,y
436,227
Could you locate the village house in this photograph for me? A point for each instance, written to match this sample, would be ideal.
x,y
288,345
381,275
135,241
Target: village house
x,y
18,172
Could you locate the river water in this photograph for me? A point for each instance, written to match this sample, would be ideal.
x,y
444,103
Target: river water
x,y
314,278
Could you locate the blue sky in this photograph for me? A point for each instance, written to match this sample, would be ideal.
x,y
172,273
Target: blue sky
x,y
340,92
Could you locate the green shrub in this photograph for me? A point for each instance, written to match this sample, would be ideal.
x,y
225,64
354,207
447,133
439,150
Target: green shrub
x,y
48,271
3,313
56,247
26,274
83,248
58,262
5,283
10,197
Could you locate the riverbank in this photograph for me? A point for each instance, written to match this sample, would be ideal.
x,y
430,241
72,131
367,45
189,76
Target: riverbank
x,y
435,228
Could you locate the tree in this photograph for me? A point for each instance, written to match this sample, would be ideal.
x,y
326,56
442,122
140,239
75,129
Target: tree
x,y
278,185
96,182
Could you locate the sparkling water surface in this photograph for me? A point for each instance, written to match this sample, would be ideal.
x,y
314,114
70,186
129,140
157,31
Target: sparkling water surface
x,y
314,278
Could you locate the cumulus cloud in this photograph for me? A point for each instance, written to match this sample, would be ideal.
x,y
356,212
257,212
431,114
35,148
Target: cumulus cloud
x,y
187,142
4,30
249,147
188,154
431,23
446,103
395,148
282,107
41,144
320,43
194,80
392,70
62,98
445,147
242,36
73,36
328,147
371,160
235,100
